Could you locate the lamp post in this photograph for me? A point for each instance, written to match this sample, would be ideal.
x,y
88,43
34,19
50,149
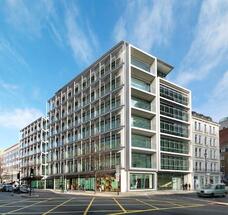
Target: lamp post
x,y
205,157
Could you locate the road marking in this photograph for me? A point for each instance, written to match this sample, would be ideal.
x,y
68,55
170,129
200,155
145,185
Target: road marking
x,y
89,205
57,206
24,200
122,208
154,209
25,207
145,203
207,201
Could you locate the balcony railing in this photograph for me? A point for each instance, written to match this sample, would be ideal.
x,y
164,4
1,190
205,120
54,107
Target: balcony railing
x,y
140,84
140,122
138,63
140,103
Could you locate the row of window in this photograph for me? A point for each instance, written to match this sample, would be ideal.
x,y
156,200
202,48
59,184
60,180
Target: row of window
x,y
34,128
105,106
169,162
202,153
200,166
102,162
173,95
107,142
174,128
174,112
208,141
90,129
204,128
177,146
87,82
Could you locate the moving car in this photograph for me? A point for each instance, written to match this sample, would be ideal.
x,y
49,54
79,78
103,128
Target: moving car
x,y
212,190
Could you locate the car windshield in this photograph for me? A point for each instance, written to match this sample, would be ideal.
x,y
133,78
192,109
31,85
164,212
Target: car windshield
x,y
209,186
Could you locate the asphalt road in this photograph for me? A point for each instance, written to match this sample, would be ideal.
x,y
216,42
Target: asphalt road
x,y
51,203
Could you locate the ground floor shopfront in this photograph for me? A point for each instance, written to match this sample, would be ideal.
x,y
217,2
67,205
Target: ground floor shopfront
x,y
173,180
91,182
123,182
201,179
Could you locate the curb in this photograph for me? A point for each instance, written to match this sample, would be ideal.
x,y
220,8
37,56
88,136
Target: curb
x,y
219,203
128,194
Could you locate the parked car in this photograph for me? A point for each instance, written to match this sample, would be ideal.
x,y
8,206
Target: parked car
x,y
7,188
24,188
212,190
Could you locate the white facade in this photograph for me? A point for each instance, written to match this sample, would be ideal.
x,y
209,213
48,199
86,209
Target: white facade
x,y
120,125
10,163
205,151
33,147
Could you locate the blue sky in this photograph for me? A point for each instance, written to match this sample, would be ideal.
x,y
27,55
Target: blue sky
x,y
44,44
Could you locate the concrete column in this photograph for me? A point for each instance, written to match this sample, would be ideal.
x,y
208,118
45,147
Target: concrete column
x,y
123,181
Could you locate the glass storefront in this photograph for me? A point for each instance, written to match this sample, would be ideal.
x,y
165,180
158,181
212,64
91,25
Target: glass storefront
x,y
170,181
107,183
141,181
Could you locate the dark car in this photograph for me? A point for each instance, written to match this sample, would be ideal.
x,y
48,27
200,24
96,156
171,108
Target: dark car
x,y
7,188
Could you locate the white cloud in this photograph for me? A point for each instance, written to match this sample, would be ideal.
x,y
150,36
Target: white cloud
x,y
217,105
7,86
33,17
8,51
146,23
210,44
18,118
82,41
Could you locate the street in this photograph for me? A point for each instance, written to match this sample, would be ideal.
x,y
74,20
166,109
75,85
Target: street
x,y
52,203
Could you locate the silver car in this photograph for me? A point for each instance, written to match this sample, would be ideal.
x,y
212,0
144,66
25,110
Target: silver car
x,y
212,190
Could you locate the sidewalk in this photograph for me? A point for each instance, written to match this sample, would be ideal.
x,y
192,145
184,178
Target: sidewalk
x,y
125,194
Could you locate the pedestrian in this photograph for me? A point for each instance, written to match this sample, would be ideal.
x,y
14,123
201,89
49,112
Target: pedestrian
x,y
186,186
189,187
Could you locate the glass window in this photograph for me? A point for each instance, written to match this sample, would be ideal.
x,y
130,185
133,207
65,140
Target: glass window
x,y
140,141
143,65
141,181
140,84
140,122
141,160
140,103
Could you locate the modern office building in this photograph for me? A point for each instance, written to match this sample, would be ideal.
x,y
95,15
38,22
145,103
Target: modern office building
x,y
33,152
10,163
206,156
120,125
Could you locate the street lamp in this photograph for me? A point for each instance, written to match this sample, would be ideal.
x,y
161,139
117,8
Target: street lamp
x,y
205,156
